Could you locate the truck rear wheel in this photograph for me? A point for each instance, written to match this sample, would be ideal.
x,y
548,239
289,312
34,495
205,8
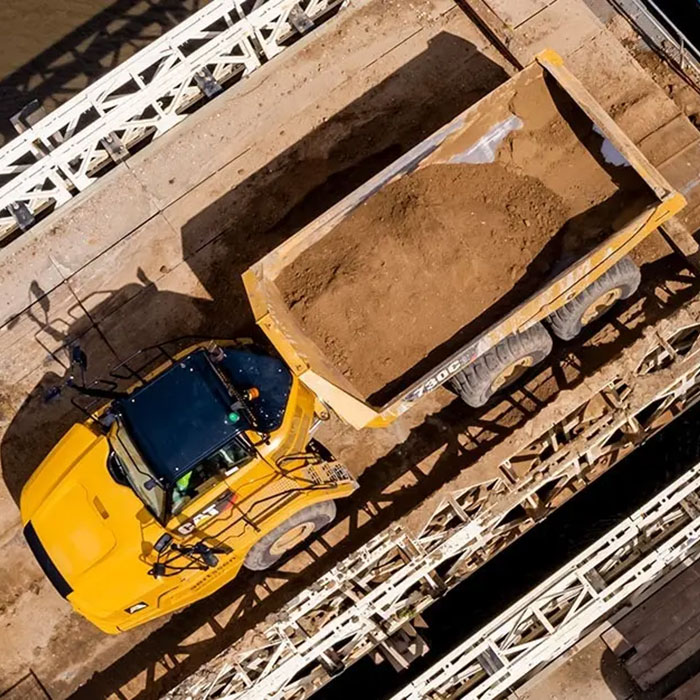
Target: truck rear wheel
x,y
502,365
619,282
270,548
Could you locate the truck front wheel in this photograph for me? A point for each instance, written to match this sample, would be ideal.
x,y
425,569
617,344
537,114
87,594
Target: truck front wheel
x,y
270,548
502,365
619,282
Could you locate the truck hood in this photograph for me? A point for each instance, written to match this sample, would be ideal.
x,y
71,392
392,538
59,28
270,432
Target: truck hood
x,y
88,532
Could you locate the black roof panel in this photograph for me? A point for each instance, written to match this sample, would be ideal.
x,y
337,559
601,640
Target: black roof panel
x,y
180,417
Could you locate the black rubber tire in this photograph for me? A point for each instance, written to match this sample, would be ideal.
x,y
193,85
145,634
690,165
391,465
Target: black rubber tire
x,y
260,557
567,322
474,384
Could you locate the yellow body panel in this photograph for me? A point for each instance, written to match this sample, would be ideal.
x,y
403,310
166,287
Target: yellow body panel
x,y
100,536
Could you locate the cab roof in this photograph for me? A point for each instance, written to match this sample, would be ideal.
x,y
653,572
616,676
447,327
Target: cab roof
x,y
180,417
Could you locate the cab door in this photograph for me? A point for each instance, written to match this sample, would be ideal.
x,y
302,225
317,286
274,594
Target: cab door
x,y
202,496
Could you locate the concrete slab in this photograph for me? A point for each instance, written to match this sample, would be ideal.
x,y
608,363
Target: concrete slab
x,y
599,60
553,28
353,133
619,83
26,272
592,673
644,114
96,220
29,339
681,170
670,139
70,238
515,12
119,273
690,217
28,688
223,130
177,306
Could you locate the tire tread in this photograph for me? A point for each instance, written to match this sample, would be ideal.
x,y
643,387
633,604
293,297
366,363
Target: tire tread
x,y
565,322
473,384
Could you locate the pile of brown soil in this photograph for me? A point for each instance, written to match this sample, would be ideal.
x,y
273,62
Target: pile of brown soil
x,y
417,262
436,257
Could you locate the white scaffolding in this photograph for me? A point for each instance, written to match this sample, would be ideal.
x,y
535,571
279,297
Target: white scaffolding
x,y
630,558
66,151
367,602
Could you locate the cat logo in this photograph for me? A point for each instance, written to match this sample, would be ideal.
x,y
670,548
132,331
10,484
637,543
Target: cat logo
x,y
220,505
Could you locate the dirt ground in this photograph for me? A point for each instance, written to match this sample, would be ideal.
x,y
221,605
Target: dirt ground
x,y
674,84
142,292
439,255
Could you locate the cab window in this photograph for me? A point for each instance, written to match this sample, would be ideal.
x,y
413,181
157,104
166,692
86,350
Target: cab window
x,y
212,469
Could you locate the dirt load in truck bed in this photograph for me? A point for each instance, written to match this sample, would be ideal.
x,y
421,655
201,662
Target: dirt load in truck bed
x,y
436,257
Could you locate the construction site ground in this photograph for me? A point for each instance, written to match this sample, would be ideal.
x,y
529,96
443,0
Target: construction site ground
x,y
156,248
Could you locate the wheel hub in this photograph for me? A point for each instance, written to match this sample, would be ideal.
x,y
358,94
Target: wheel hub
x,y
600,305
513,371
291,538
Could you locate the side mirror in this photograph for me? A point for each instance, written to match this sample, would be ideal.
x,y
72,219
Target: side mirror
x,y
210,559
163,542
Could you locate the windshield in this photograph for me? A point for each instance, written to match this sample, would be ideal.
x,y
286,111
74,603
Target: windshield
x,y
224,462
139,476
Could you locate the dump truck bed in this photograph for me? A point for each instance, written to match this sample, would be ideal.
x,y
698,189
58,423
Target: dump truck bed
x,y
481,230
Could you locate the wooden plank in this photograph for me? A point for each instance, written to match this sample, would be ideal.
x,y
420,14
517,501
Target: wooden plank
x,y
617,642
656,179
681,170
655,610
515,12
653,674
690,217
664,640
680,238
690,690
669,139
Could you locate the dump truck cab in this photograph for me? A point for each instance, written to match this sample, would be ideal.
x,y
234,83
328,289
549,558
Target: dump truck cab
x,y
201,467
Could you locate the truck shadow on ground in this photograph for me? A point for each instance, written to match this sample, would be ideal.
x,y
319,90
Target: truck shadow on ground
x,y
47,411
253,218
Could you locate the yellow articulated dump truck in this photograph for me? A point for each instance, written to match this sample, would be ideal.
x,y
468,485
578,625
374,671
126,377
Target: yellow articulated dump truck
x,y
450,265
204,465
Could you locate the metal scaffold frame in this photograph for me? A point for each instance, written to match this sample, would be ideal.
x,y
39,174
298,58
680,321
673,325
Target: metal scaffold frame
x,y
65,152
366,603
630,558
